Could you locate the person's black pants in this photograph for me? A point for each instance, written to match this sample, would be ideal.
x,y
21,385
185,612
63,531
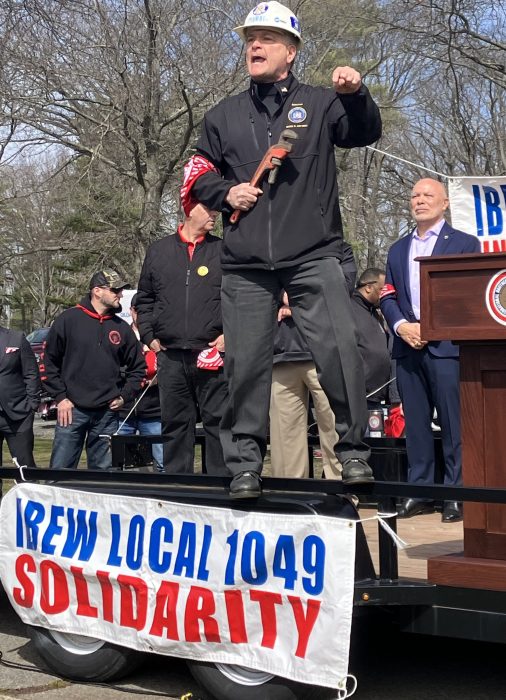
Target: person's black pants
x,y
322,311
186,391
19,438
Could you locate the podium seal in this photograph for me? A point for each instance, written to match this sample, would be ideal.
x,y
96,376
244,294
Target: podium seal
x,y
495,297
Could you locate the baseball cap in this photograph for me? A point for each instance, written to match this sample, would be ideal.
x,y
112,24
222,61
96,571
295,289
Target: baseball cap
x,y
108,278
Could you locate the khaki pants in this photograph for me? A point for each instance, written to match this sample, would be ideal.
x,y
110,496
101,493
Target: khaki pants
x,y
292,382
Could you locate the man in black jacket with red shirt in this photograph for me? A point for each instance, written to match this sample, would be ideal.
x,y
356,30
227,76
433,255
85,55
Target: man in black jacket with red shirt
x,y
179,317
85,350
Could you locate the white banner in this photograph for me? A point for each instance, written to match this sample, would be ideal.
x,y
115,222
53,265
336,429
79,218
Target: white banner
x,y
273,592
126,300
478,206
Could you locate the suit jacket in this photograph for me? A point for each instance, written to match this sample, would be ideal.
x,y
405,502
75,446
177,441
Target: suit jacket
x,y
20,386
396,298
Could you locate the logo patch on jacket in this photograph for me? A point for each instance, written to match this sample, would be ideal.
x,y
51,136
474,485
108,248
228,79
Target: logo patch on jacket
x,y
10,349
297,115
114,337
388,291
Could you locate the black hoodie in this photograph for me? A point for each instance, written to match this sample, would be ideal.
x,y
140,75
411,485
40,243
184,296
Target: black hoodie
x,y
84,354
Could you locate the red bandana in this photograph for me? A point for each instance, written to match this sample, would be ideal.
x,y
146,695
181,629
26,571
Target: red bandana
x,y
196,166
209,358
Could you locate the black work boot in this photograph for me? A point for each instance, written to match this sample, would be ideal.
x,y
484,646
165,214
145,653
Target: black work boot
x,y
245,485
357,471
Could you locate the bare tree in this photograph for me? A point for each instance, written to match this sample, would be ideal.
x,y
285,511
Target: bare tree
x,y
109,95
120,85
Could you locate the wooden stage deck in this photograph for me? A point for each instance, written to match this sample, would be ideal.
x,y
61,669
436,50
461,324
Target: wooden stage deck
x,y
426,537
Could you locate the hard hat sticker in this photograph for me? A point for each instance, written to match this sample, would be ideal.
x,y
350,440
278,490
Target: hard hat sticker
x,y
260,9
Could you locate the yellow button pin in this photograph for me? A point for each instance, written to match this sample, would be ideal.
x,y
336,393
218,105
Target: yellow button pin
x,y
202,271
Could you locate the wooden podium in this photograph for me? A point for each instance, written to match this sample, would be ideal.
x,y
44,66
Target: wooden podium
x,y
463,298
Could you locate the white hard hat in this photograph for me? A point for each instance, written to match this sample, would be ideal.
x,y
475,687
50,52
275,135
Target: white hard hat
x,y
273,15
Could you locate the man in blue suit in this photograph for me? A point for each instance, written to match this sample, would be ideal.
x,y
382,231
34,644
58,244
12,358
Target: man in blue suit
x,y
427,373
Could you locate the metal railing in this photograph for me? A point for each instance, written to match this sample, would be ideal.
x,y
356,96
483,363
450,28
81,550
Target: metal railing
x,y
385,493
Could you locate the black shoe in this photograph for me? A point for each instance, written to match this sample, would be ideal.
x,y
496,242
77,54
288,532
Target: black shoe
x,y
245,485
452,512
412,506
357,471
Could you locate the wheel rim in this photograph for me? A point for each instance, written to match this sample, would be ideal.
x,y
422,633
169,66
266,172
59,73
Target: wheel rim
x,y
77,643
243,675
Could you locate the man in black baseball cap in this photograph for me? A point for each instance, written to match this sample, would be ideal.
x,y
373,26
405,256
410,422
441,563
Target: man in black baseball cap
x,y
108,279
93,366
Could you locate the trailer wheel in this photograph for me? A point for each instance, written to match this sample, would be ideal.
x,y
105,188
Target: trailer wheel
x,y
83,658
230,682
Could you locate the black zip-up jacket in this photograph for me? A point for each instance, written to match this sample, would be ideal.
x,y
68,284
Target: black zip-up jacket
x,y
373,346
84,355
298,218
178,299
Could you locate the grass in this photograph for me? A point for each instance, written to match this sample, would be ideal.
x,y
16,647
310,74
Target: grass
x,y
41,453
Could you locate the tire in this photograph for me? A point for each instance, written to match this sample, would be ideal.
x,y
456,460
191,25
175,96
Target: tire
x,y
228,682
83,658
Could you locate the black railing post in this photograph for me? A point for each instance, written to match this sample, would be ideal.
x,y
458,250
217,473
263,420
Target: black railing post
x,y
117,453
388,559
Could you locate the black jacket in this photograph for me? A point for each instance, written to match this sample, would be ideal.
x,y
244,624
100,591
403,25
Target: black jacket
x,y
84,354
178,299
149,404
298,218
20,386
373,346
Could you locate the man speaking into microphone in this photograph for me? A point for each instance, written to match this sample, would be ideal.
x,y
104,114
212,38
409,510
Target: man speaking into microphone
x,y
288,236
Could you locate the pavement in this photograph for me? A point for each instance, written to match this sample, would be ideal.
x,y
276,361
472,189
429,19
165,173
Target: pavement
x,y
43,428
389,665
24,675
